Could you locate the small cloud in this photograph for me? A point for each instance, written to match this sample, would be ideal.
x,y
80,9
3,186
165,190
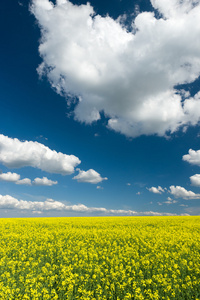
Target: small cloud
x,y
49,200
138,193
90,176
185,214
99,187
128,184
170,202
156,190
44,181
159,203
96,135
193,157
184,205
195,180
25,181
15,178
11,177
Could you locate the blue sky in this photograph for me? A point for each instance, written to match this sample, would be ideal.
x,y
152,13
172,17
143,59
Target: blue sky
x,y
100,106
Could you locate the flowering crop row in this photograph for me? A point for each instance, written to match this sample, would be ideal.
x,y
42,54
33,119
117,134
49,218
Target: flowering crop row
x,y
102,258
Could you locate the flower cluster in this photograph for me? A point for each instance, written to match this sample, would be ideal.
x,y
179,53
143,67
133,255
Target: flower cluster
x,y
105,258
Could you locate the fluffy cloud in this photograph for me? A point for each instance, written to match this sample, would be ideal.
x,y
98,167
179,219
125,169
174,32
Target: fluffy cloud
x,y
156,190
17,154
24,181
180,192
13,177
90,176
130,76
193,157
44,181
195,180
9,202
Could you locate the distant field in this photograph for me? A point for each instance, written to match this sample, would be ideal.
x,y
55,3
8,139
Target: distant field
x,y
100,258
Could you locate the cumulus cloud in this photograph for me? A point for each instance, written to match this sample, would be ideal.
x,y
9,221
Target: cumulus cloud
x,y
156,190
9,202
44,181
90,176
193,157
181,192
195,180
24,181
12,177
130,76
17,154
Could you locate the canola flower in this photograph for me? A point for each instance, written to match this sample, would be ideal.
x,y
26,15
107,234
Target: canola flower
x,y
100,258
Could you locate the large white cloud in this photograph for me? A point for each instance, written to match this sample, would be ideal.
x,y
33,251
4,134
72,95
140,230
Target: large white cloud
x,y
17,154
90,176
181,192
193,157
130,76
9,202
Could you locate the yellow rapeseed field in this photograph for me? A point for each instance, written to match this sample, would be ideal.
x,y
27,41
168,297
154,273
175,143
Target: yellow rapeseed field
x,y
100,258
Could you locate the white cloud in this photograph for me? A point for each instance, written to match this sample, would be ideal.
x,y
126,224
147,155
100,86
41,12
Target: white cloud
x,y
193,157
9,202
195,180
170,202
130,76
44,181
156,190
99,187
180,192
13,177
90,176
25,181
17,154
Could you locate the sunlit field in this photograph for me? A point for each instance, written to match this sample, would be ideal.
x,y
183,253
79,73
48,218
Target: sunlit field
x,y
100,258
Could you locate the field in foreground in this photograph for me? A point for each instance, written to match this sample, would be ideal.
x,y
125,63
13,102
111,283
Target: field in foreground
x,y
100,258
